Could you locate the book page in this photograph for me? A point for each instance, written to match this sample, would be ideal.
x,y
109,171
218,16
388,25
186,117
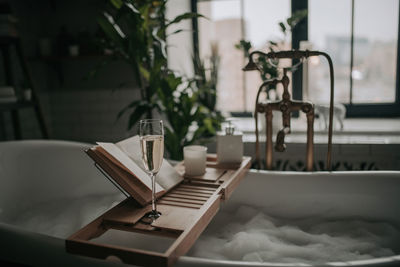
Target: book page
x,y
125,160
167,177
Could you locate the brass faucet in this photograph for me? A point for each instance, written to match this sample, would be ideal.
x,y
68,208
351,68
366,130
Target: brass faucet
x,y
287,106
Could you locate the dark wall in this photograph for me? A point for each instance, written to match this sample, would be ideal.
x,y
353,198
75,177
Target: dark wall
x,y
76,106
54,20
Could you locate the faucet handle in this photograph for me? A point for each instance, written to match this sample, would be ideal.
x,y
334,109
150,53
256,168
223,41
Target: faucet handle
x,y
280,145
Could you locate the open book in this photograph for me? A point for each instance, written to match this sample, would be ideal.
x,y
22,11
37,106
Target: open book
x,y
123,163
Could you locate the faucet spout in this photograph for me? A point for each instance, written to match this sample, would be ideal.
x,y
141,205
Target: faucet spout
x,y
280,145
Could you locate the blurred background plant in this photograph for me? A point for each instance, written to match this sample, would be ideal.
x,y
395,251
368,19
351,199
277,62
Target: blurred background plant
x,y
205,81
136,31
268,68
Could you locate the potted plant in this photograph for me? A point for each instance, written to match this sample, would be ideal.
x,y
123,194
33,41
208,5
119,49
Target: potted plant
x,y
135,31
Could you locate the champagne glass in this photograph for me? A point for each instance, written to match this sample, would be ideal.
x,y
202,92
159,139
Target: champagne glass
x,y
151,133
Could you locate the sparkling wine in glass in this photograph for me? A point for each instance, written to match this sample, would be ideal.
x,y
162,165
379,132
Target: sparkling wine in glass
x,y
152,146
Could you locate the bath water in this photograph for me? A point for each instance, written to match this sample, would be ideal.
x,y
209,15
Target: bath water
x,y
247,234
61,217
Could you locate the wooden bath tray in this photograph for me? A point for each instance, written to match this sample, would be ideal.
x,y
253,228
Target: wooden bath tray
x,y
186,210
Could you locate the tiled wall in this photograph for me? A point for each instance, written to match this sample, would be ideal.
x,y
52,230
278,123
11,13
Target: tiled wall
x,y
90,115
344,156
84,115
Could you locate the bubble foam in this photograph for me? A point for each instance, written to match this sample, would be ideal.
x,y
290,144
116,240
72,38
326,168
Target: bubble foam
x,y
250,235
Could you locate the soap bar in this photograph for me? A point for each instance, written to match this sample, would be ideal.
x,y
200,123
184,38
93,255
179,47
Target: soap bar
x,y
229,148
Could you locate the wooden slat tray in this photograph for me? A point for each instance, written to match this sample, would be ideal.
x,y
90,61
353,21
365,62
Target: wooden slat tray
x,y
186,211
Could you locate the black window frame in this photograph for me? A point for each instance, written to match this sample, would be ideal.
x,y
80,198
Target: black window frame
x,y
300,33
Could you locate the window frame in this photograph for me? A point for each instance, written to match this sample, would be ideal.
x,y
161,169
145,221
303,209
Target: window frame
x,y
300,33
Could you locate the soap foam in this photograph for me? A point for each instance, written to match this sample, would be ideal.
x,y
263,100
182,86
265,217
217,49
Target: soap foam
x,y
62,217
250,235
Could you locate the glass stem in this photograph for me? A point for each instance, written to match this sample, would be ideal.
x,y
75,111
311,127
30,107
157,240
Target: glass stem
x,y
153,193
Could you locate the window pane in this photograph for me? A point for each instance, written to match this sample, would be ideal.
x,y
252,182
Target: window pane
x,y
329,31
236,92
262,19
224,29
375,50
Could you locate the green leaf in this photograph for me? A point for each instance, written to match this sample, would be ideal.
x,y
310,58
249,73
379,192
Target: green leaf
x,y
131,105
245,46
297,16
273,43
111,30
162,44
145,73
117,3
173,82
175,32
173,144
136,115
283,27
132,8
188,15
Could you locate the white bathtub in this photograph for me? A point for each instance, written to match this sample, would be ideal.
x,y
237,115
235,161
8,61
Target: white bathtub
x,y
42,184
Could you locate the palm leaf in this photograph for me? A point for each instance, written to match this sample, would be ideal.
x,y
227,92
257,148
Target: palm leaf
x,y
117,3
112,30
129,106
137,114
188,15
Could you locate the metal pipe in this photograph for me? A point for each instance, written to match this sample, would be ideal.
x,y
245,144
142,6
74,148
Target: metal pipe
x,y
310,139
330,129
260,109
268,143
290,105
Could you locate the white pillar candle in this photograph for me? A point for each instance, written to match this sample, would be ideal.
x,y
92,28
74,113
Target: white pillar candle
x,y
195,160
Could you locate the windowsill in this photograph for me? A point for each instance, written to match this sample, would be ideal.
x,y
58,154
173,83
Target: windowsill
x,y
355,131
